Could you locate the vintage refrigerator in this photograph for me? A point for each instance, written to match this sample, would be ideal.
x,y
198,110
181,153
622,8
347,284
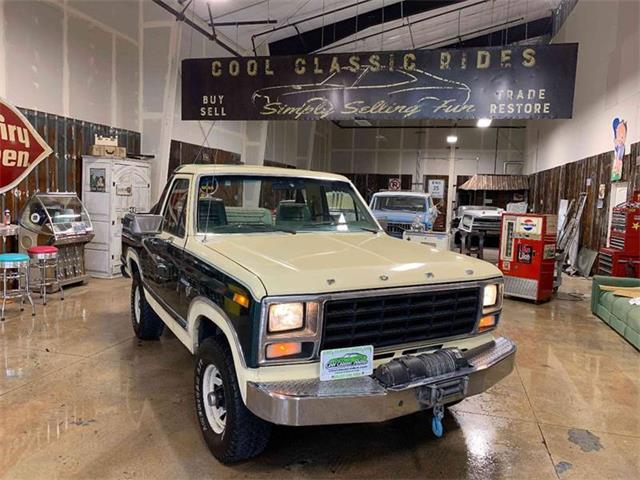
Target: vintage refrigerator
x,y
527,255
111,188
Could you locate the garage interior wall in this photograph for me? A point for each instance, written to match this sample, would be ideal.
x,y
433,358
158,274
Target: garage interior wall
x,y
393,151
609,86
77,59
114,63
567,157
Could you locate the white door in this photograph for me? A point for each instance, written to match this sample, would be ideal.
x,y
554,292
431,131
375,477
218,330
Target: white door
x,y
131,191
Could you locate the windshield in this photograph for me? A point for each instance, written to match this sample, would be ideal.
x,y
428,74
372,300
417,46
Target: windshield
x,y
246,204
404,203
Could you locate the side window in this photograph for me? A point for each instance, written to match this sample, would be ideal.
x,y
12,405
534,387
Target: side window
x,y
175,208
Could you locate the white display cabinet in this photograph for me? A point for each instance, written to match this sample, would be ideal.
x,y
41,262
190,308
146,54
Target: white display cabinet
x,y
110,189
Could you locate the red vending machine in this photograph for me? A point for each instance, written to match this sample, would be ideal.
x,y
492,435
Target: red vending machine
x,y
527,255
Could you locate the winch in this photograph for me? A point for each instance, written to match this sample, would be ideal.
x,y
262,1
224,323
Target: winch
x,y
408,370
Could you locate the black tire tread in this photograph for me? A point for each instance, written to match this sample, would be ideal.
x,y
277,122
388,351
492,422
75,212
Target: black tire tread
x,y
151,325
250,434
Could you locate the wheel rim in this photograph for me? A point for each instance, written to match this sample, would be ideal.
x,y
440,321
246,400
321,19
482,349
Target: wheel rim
x,y
213,398
136,304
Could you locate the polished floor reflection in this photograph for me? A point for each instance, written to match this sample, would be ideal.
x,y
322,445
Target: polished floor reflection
x,y
80,397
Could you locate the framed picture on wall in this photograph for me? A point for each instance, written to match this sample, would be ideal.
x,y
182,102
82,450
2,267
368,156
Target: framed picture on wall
x,y
436,188
97,179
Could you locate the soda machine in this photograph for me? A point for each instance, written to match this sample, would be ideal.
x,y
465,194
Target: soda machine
x,y
527,255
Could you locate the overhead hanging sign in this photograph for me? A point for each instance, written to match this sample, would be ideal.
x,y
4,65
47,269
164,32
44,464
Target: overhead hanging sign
x,y
516,82
21,147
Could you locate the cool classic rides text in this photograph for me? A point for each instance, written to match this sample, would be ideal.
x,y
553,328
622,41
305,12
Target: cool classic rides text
x,y
375,62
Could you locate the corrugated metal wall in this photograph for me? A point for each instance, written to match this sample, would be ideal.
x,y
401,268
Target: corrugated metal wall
x,y
62,170
548,187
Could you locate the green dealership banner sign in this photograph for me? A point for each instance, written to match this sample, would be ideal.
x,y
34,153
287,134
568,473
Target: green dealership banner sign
x,y
515,82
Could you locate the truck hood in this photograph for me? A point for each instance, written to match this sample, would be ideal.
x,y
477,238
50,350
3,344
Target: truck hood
x,y
484,213
311,263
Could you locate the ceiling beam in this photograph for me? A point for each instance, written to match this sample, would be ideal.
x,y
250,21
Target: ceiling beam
x,y
505,36
406,25
317,38
181,17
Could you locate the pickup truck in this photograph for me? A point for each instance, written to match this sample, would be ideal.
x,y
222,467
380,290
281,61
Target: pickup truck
x,y
398,211
300,310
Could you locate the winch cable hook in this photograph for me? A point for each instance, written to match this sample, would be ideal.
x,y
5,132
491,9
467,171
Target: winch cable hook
x,y
436,422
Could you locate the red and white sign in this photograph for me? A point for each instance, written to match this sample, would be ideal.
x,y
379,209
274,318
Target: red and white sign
x,y
21,147
394,184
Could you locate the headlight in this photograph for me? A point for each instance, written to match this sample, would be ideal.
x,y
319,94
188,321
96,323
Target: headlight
x,y
490,295
286,316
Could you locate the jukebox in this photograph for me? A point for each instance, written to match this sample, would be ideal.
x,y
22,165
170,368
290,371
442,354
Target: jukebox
x,y
58,219
528,254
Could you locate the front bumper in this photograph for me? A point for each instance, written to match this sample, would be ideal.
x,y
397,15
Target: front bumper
x,y
364,399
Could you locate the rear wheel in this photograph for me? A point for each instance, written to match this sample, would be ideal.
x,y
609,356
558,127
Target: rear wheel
x,y
230,430
147,325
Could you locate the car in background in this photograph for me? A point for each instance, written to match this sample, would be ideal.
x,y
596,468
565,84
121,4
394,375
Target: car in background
x,y
478,218
399,211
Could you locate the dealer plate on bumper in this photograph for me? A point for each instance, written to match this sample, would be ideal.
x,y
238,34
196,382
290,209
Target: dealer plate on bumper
x,y
341,363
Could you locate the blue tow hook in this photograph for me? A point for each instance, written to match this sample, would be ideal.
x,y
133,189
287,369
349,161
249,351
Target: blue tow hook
x,y
436,422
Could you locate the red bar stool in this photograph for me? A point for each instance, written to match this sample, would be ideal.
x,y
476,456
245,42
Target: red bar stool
x,y
45,259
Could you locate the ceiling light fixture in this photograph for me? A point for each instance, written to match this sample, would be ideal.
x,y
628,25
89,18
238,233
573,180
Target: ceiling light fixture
x,y
452,139
483,122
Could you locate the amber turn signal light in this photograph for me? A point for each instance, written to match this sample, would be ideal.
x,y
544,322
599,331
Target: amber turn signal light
x,y
486,323
241,299
277,350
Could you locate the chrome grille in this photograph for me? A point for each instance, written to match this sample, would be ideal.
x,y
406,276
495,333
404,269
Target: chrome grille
x,y
388,320
487,225
396,229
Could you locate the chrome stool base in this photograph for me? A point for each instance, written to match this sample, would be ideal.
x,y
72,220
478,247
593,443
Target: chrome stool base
x,y
45,262
15,271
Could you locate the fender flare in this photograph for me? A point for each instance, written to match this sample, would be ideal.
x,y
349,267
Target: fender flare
x,y
203,308
132,256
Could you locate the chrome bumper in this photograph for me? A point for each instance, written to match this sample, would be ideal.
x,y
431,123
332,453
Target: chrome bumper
x,y
364,399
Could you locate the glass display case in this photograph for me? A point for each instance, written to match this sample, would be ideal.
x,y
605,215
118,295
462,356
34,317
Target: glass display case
x,y
61,220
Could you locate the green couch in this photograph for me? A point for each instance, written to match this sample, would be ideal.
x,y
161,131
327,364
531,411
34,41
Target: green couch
x,y
616,311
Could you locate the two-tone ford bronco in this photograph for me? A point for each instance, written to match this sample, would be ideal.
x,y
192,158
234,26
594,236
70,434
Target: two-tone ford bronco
x,y
268,275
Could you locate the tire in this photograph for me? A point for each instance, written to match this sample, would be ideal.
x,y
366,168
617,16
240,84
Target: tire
x,y
147,325
237,434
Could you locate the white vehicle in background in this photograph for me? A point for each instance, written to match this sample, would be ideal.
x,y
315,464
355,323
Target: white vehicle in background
x,y
399,211
478,218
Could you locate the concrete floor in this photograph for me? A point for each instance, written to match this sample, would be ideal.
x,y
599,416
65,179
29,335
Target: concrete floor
x,y
80,397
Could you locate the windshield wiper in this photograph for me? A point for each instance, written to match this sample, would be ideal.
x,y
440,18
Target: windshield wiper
x,y
270,228
368,229
286,230
319,224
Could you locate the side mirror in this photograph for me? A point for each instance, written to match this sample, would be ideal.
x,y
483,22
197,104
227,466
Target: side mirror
x,y
142,223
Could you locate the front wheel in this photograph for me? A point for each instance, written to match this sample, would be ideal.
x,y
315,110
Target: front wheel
x,y
230,430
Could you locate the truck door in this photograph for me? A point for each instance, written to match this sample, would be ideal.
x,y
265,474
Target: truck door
x,y
166,250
